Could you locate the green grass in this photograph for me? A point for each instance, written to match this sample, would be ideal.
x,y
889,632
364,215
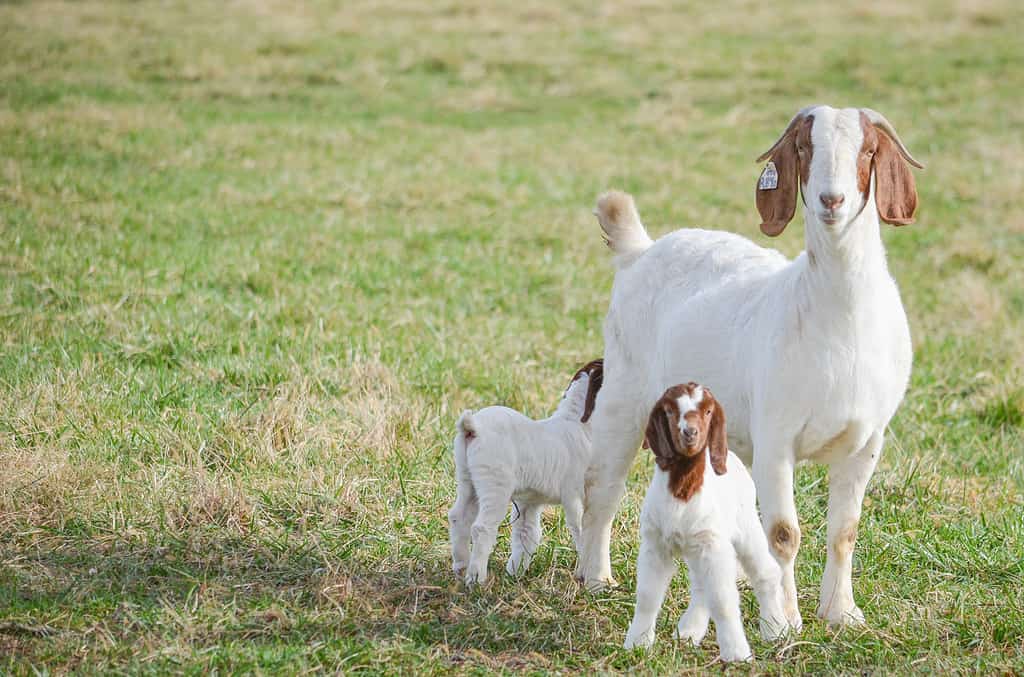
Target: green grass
x,y
257,257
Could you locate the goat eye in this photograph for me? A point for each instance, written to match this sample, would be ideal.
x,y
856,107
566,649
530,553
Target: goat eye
x,y
707,413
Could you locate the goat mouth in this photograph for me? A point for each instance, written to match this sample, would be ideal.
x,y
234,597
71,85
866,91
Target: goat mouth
x,y
830,218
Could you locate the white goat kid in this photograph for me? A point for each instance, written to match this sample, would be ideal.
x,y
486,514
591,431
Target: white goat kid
x,y
811,357
502,456
701,507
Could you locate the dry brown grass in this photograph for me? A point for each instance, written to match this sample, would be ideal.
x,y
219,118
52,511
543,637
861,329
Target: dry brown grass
x,y
260,255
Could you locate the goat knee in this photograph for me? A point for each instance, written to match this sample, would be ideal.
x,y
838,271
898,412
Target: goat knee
x,y
483,533
784,540
845,540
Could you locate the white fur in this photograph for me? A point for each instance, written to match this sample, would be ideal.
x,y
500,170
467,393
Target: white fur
x,y
513,458
710,531
810,357
688,403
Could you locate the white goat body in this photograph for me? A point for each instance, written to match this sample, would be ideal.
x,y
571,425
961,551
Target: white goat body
x,y
811,357
502,456
751,326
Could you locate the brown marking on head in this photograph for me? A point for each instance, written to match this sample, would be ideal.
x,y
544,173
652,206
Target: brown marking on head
x,y
895,189
882,155
595,373
804,148
792,155
784,540
866,157
845,540
682,455
718,442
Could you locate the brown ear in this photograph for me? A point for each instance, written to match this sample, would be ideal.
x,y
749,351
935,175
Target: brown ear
x,y
895,190
776,197
718,444
663,433
595,370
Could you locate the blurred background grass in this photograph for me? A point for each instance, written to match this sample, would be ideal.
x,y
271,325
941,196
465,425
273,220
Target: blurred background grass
x,y
259,255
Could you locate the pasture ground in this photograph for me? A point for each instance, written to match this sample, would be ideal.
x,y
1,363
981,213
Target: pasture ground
x,y
258,255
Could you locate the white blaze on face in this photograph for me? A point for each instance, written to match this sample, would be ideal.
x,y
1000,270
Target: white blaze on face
x,y
836,137
690,402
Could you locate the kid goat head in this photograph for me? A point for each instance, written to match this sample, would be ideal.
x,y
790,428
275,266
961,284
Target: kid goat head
x,y
837,159
684,422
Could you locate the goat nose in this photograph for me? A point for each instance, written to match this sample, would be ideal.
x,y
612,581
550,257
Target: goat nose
x,y
689,432
831,200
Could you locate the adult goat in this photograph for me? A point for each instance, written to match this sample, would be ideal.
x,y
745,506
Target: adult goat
x,y
811,357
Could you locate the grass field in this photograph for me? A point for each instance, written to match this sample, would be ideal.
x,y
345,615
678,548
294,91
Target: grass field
x,y
257,257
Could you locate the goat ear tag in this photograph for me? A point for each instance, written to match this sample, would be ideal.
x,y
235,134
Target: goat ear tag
x,y
769,178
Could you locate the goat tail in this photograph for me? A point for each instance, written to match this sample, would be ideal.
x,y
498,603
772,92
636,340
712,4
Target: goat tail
x,y
466,431
465,425
624,233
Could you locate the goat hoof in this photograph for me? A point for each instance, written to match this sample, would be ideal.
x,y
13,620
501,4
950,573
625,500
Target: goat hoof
x,y
796,621
737,657
849,618
514,568
476,575
600,584
643,640
691,635
773,629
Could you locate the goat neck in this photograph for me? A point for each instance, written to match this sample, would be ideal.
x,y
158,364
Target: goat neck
x,y
574,402
844,261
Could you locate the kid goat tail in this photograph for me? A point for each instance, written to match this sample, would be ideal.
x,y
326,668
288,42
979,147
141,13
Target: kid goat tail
x,y
624,234
466,432
465,425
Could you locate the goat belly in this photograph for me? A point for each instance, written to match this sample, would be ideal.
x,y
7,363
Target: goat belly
x,y
824,444
533,497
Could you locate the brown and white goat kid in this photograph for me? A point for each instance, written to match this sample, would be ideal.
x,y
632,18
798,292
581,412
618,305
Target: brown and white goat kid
x,y
701,507
502,456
